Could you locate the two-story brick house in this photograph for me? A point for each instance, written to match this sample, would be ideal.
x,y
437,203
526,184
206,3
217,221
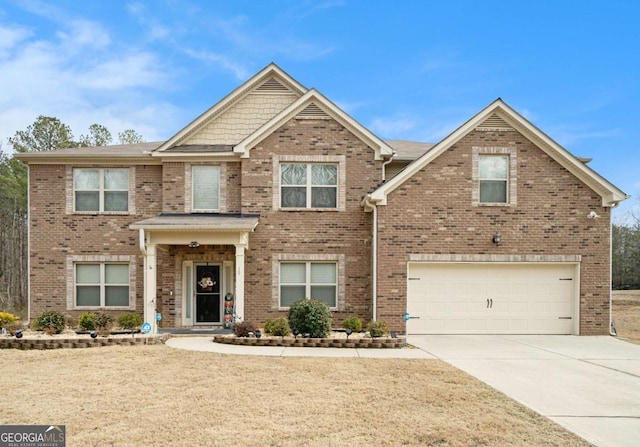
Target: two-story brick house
x,y
276,194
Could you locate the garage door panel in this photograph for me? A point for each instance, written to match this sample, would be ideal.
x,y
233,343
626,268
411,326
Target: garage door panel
x,y
490,298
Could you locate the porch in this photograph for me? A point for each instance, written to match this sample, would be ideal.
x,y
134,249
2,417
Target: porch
x,y
194,263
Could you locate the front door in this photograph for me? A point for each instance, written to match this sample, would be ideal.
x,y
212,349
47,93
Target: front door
x,y
207,296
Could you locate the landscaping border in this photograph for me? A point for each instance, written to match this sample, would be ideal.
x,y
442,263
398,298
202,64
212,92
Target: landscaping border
x,y
360,343
79,342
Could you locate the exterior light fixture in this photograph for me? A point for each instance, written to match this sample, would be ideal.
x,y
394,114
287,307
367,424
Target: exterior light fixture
x,y
258,333
348,331
497,238
296,333
194,244
93,334
19,333
394,334
593,215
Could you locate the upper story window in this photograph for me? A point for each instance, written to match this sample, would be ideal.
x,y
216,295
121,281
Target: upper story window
x,y
305,185
101,190
206,188
493,175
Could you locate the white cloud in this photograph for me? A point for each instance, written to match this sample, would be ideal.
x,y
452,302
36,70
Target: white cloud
x,y
239,72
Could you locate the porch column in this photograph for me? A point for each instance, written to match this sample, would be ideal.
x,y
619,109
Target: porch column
x,y
240,281
150,265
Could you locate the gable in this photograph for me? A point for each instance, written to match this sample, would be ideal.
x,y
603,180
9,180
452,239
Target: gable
x,y
313,105
499,116
241,112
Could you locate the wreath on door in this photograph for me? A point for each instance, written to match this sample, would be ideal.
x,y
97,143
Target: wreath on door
x,y
206,283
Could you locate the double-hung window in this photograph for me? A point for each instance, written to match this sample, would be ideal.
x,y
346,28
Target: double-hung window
x,y
102,285
493,177
314,280
205,188
305,185
101,190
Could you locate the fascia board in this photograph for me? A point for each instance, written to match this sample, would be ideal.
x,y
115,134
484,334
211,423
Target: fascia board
x,y
238,93
610,194
382,149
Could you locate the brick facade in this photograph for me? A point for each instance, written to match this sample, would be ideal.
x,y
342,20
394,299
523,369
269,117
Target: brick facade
x,y
433,213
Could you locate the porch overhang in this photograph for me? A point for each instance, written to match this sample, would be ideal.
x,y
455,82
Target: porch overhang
x,y
193,230
205,229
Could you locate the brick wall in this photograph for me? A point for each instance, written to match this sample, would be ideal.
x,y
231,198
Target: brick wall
x,y
345,232
55,235
432,213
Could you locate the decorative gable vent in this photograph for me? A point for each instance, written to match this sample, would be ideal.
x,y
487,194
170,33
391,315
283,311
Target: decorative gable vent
x,y
272,86
494,122
312,111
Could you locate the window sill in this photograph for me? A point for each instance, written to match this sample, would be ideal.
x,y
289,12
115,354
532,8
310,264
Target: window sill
x,y
494,204
103,213
330,210
104,308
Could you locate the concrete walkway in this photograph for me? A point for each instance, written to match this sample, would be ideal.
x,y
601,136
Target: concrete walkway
x,y
205,344
589,385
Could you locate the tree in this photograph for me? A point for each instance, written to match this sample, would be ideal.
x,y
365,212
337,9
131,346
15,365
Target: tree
x,y
98,136
45,134
130,136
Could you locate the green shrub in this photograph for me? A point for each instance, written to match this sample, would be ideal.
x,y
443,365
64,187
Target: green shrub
x,y
243,329
130,320
50,321
87,321
278,327
378,328
311,317
6,319
352,323
104,321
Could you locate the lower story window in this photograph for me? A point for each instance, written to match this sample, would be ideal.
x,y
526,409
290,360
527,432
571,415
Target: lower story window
x,y
102,285
314,280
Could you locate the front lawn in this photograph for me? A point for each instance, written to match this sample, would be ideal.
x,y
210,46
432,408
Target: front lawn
x,y
155,395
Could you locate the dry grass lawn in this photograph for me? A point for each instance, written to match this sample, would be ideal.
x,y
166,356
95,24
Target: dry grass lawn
x,y
155,395
626,314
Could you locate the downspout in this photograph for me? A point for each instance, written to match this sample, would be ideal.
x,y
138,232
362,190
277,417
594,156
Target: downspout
x,y
374,255
611,326
384,167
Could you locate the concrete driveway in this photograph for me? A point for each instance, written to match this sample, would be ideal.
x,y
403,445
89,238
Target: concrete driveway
x,y
589,385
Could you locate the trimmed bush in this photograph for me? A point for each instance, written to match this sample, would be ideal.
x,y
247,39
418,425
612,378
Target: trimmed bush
x,y
6,319
50,321
311,317
130,320
243,329
278,327
353,323
87,321
378,328
104,321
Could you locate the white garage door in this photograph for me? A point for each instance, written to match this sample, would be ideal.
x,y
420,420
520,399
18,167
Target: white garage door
x,y
490,298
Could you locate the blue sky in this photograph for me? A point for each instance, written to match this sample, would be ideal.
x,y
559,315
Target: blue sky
x,y
411,70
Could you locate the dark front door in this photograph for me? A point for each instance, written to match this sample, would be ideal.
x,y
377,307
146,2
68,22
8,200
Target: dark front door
x,y
208,294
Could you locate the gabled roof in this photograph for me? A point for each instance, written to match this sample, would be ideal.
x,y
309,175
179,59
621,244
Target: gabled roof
x,y
311,104
270,71
497,115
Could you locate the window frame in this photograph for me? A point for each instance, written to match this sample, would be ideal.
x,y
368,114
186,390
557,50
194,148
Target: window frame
x,y
512,174
101,190
308,285
193,189
102,285
309,186
504,180
339,160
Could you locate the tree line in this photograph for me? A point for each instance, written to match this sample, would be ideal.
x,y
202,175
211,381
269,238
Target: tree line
x,y
625,256
45,134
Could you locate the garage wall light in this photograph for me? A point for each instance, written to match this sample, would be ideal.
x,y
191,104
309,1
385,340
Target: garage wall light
x,y
194,244
497,238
